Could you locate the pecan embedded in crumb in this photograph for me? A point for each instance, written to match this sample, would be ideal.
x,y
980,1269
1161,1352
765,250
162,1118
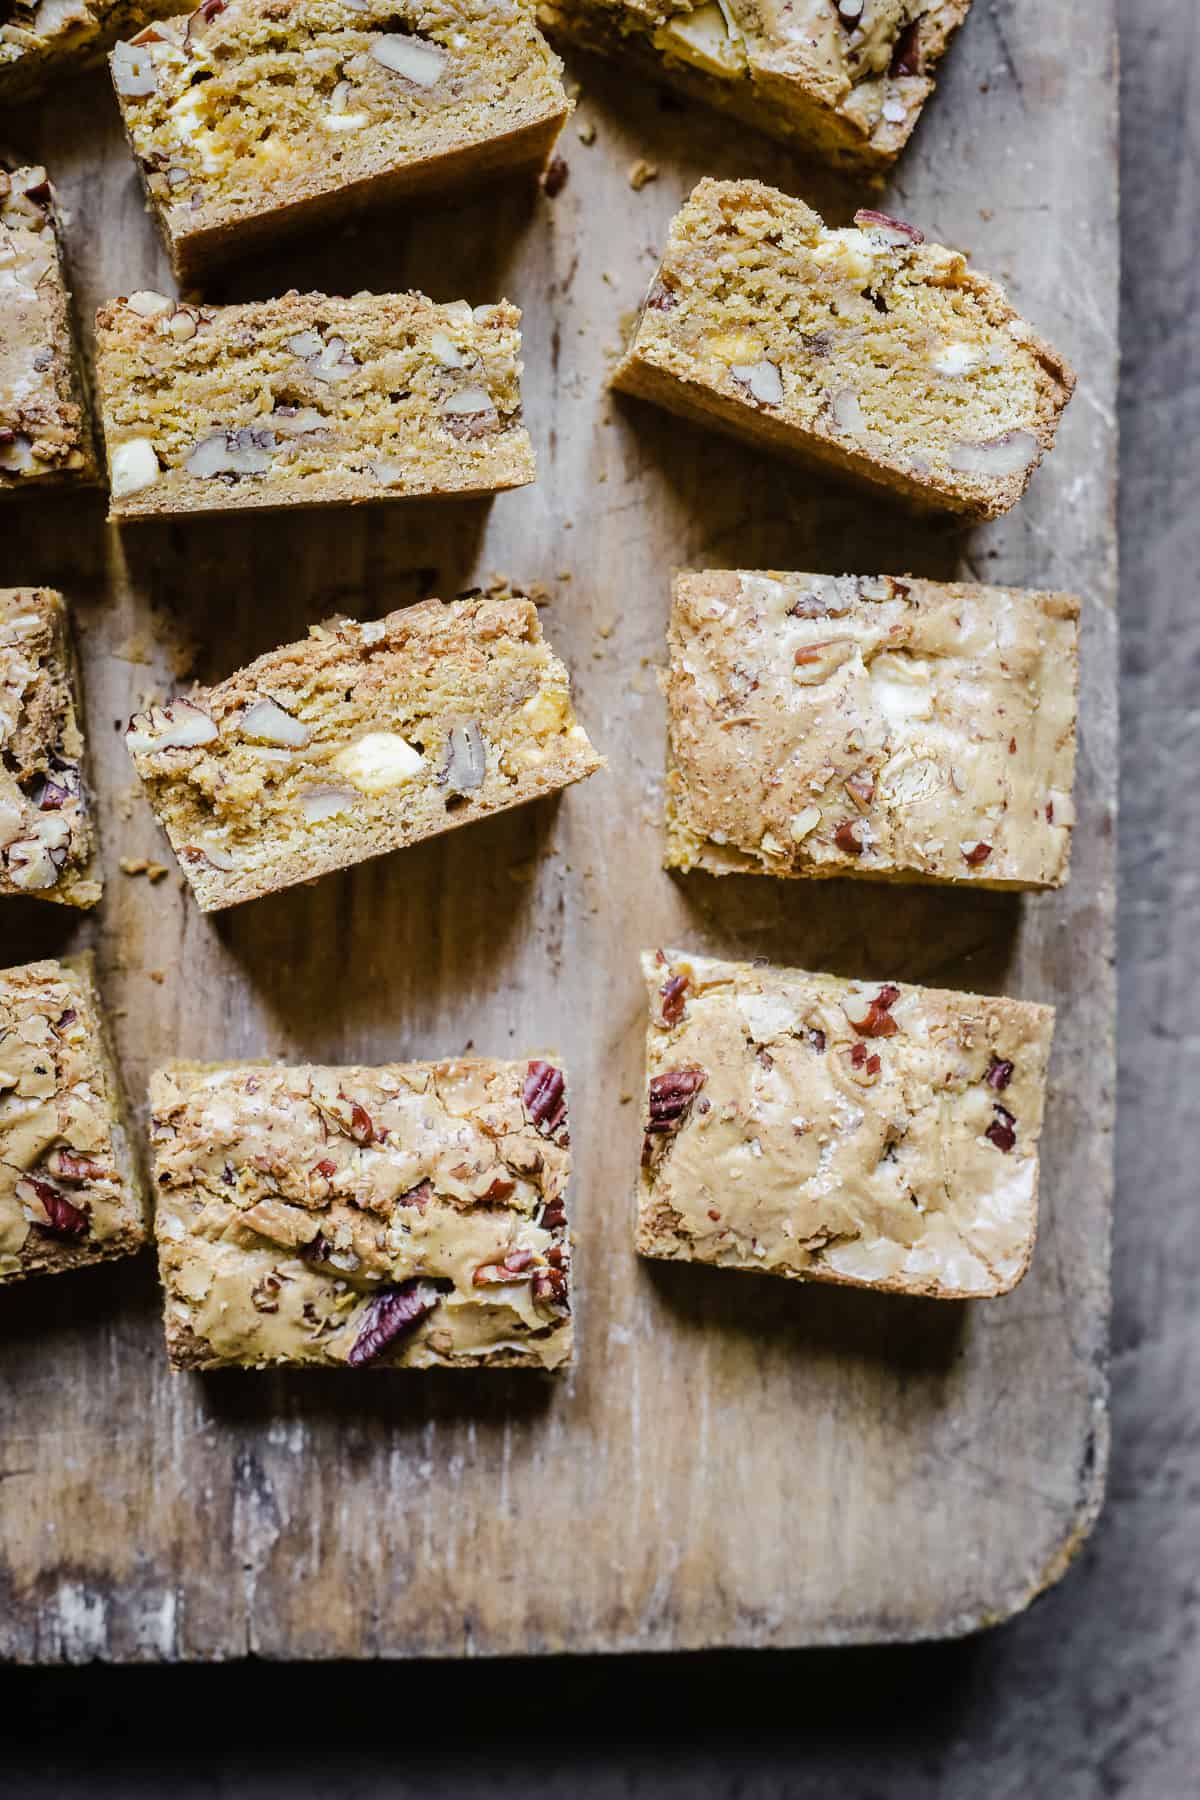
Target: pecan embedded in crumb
x,y
999,1074
673,994
878,1021
671,1096
390,1313
60,1217
1003,1129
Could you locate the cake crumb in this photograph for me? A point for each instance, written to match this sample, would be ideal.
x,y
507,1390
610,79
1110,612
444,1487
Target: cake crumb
x,y
641,172
585,131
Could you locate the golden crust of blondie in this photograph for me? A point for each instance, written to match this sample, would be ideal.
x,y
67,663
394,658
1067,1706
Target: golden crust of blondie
x,y
70,1189
877,726
360,739
865,349
307,400
263,116
408,1216
866,1134
846,85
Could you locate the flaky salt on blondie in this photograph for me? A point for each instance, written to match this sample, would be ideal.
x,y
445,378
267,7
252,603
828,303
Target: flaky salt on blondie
x,y
45,435
47,834
256,117
360,739
844,79
876,726
865,349
44,40
70,1189
863,1133
307,400
410,1216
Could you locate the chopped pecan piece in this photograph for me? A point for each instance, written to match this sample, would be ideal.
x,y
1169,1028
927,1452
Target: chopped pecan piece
x,y
554,1214
671,1096
1003,1129
846,840
362,1128
60,1217
878,1021
516,1265
389,1314
418,1196
545,1097
673,994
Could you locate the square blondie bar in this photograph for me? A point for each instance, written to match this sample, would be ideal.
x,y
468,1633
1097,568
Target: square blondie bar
x,y
42,41
361,739
876,726
845,80
863,1133
45,434
71,1192
865,349
409,1216
47,836
257,117
307,400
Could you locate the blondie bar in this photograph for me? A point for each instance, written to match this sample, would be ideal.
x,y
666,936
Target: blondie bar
x,y
834,725
70,1189
361,739
255,117
45,437
866,349
47,838
307,400
42,41
410,1216
846,79
855,1132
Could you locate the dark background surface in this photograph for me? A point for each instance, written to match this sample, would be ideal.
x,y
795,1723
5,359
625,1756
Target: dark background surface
x,y
1094,1692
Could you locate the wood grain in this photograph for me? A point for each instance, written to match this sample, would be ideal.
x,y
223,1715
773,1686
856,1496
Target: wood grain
x,y
734,1461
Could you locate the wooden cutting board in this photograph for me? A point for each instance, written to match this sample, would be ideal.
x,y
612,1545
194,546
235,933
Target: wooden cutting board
x,y
735,1460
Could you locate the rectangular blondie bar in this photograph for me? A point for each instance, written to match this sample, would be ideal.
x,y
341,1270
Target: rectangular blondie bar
x,y
42,41
252,118
71,1192
865,349
47,836
904,729
361,739
844,79
307,400
855,1132
45,435
411,1216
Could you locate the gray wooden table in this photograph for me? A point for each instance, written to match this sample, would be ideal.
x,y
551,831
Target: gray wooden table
x,y
1092,1692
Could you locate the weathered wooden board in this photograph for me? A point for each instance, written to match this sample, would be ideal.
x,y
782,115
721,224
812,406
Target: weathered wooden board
x,y
735,1461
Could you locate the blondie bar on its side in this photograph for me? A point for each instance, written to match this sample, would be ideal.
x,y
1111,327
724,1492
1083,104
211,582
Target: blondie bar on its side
x,y
410,1216
45,436
47,835
70,1189
307,400
864,1133
865,349
843,79
256,117
361,739
44,40
876,726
